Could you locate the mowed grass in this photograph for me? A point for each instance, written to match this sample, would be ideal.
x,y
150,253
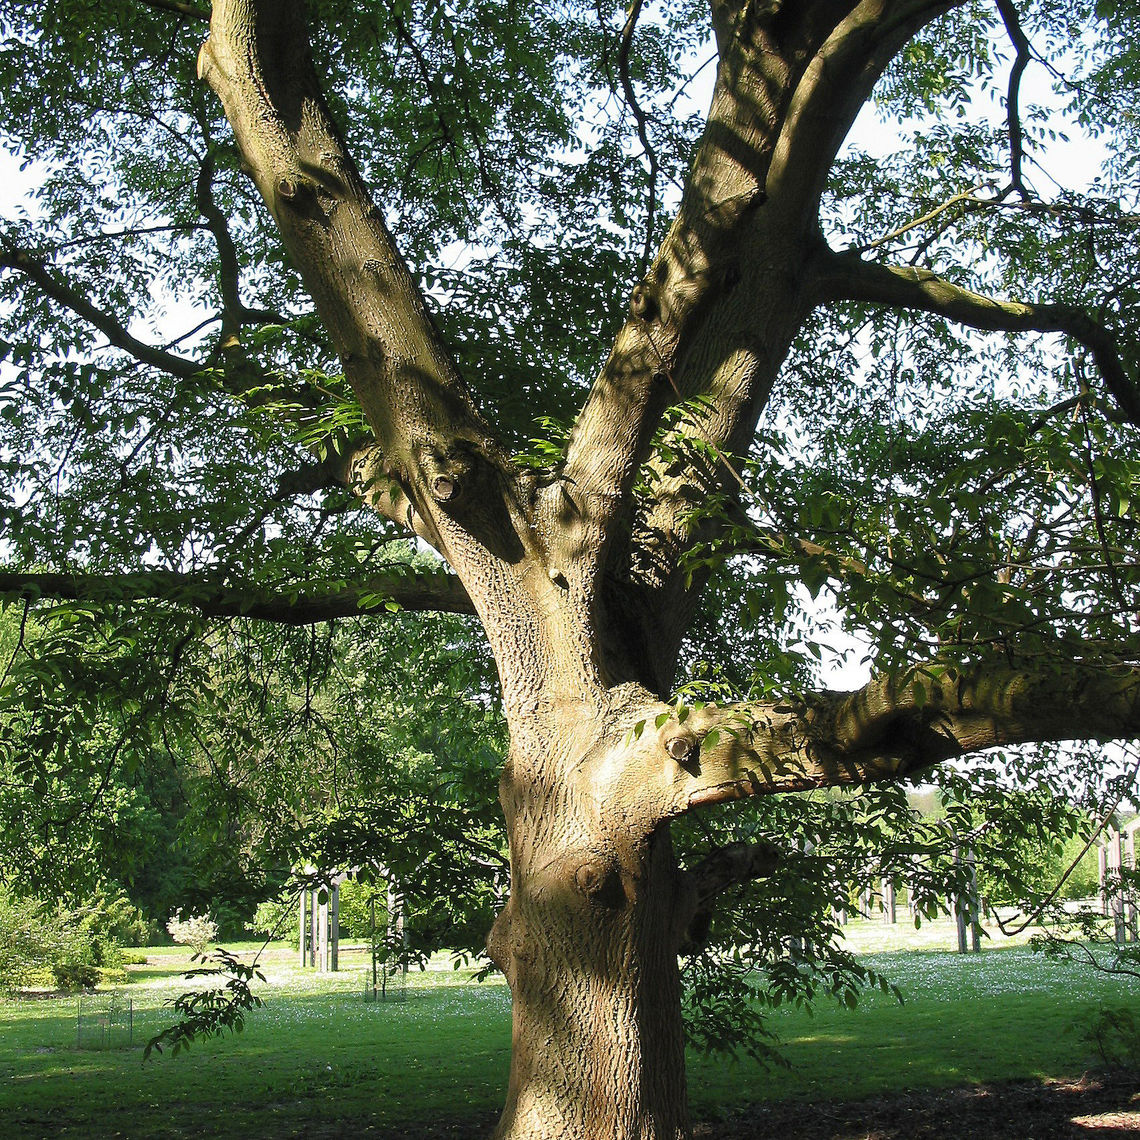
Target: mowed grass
x,y
318,1058
314,1053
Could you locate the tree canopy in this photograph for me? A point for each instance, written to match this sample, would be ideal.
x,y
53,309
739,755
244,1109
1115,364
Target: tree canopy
x,y
335,313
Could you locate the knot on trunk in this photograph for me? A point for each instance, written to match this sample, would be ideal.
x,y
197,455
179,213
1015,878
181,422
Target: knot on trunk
x,y
499,938
643,304
297,191
684,749
600,881
447,471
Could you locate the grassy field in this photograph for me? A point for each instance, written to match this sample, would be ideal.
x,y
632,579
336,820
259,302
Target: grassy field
x,y
318,1053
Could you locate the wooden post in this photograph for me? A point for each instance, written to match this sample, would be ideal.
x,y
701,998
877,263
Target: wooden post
x,y
889,902
866,902
1116,864
372,943
314,938
323,932
301,928
960,921
958,906
1127,891
975,904
396,934
334,926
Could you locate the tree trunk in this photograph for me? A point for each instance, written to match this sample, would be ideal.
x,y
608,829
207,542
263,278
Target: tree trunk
x,y
588,943
580,580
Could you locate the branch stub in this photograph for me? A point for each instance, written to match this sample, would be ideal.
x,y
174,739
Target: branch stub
x,y
601,884
444,488
681,747
642,303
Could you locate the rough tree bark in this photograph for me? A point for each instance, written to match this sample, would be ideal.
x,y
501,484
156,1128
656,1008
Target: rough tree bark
x,y
580,590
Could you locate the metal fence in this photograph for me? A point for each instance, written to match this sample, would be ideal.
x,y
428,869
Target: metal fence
x,y
384,982
104,1021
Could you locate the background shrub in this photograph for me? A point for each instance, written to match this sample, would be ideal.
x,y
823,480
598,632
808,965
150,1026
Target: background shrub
x,y
43,946
196,930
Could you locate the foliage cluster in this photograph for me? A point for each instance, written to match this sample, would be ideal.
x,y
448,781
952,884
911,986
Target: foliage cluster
x,y
1113,1034
43,945
210,1012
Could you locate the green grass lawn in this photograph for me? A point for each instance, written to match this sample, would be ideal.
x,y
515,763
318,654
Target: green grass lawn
x,y
317,1052
966,1019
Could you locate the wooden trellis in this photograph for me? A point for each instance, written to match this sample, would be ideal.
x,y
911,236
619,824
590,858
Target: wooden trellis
x,y
1117,854
319,941
319,932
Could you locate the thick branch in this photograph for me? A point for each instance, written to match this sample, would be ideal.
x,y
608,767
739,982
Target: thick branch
x,y
1021,43
735,863
640,118
190,10
849,278
257,61
229,267
714,318
436,454
300,605
885,731
833,90
53,285
701,262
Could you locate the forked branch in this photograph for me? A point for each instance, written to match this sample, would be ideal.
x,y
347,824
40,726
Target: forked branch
x,y
847,277
70,296
354,463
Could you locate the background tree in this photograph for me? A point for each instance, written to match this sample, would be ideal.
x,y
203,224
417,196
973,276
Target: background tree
x,y
205,783
799,398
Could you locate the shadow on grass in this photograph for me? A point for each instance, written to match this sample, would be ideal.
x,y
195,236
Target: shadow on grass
x,y
149,973
1106,1104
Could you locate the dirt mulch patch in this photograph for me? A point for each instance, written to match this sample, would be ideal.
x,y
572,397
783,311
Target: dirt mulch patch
x,y
1104,1105
1095,1106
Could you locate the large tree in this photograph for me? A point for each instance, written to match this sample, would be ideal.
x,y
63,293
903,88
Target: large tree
x,y
907,375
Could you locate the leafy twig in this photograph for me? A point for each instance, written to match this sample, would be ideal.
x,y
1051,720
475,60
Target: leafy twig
x,y
210,1012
